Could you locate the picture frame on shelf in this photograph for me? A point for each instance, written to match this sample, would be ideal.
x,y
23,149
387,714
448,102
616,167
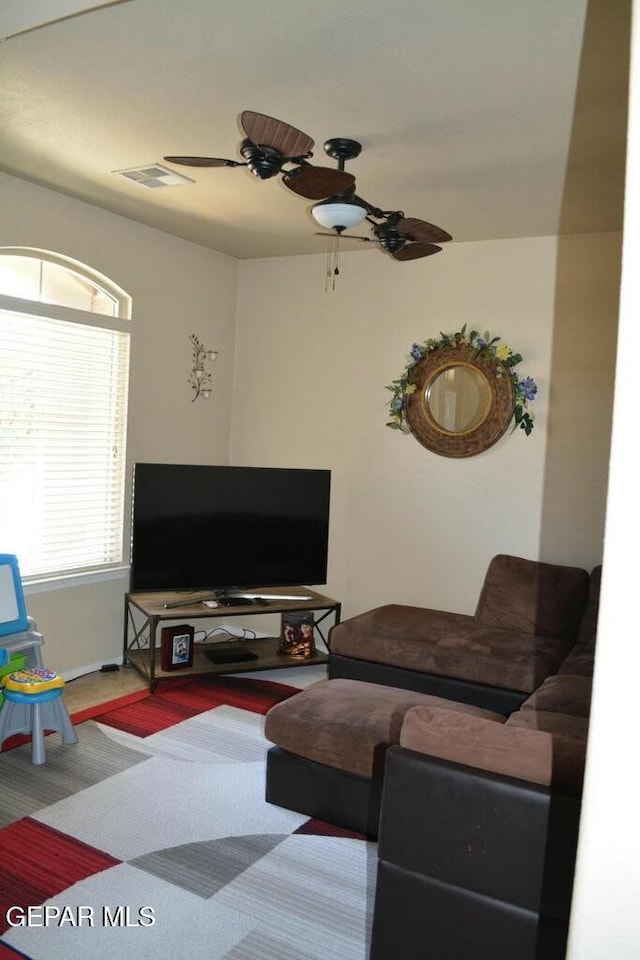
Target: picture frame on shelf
x,y
177,647
297,635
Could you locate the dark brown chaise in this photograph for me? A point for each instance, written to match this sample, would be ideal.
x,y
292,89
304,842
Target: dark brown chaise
x,y
526,621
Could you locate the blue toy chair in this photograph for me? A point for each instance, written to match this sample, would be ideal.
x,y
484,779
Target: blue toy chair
x,y
32,695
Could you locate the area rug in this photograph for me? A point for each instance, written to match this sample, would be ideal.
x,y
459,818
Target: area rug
x,y
151,838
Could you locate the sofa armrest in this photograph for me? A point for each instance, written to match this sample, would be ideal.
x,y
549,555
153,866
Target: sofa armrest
x,y
524,753
497,836
472,864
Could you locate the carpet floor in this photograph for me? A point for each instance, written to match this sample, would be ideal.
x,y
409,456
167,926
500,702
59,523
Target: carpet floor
x,y
151,838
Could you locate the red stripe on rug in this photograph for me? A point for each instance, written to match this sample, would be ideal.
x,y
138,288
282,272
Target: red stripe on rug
x,y
258,696
8,953
145,717
171,705
176,701
90,712
16,740
80,716
37,862
320,828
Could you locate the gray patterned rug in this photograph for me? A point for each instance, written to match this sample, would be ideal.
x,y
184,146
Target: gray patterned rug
x,y
162,845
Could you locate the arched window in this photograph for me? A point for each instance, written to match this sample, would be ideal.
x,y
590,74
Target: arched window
x,y
64,372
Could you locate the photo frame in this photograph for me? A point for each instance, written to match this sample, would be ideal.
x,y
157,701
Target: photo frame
x,y
297,635
177,647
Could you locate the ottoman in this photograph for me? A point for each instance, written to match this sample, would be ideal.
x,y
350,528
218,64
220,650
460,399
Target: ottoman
x,y
330,742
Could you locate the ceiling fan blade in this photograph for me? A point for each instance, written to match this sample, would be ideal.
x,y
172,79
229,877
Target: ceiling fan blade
x,y
269,132
421,231
318,183
205,162
413,251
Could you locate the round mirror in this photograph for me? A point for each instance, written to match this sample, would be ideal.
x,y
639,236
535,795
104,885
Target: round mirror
x,y
462,403
458,398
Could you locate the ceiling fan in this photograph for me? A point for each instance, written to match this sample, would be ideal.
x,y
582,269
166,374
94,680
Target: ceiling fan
x,y
404,238
269,146
273,147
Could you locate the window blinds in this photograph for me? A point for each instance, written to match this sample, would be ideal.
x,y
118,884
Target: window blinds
x,y
63,415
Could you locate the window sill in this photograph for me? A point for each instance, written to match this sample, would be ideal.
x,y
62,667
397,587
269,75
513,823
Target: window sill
x,y
74,580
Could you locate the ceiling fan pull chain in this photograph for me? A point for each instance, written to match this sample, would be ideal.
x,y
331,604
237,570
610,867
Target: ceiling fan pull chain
x,y
333,265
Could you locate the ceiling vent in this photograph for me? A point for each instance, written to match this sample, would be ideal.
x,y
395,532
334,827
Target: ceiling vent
x,y
154,175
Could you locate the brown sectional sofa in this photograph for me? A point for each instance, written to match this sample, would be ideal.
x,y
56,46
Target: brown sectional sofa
x,y
472,783
478,830
479,823
330,746
527,619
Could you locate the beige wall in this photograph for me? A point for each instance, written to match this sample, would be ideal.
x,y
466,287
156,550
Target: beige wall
x,y
300,382
177,288
605,920
581,395
407,525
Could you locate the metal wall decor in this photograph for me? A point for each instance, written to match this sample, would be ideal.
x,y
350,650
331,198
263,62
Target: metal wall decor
x,y
200,378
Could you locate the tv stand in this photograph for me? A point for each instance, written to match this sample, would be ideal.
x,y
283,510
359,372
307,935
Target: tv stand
x,y
145,611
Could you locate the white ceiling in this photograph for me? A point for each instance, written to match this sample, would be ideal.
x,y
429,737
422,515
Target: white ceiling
x,y
489,118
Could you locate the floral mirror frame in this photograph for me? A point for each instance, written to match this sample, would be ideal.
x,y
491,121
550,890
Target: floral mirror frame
x,y
506,395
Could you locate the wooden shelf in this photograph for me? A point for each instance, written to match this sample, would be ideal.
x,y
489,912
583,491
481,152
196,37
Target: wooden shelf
x,y
145,612
266,650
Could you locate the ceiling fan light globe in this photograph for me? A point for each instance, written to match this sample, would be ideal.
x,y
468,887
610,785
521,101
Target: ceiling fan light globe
x,y
338,215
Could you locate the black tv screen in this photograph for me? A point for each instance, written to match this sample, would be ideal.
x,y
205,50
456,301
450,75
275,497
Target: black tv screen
x,y
218,528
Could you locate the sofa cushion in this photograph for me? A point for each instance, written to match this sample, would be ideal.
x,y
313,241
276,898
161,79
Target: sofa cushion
x,y
563,693
450,645
563,724
349,724
393,623
589,622
477,742
579,662
532,597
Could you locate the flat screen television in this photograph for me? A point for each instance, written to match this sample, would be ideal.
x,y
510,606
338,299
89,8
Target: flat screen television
x,y
220,528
